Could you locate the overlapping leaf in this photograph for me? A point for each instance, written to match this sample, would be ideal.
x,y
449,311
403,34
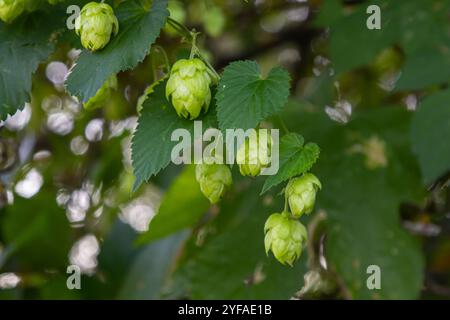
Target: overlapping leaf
x,y
429,135
22,48
295,159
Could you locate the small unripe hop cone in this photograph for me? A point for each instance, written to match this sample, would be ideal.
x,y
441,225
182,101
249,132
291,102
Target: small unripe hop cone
x,y
188,88
95,25
301,194
254,154
214,180
284,237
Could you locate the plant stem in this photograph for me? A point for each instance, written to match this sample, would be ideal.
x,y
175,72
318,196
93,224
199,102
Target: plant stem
x,y
191,36
164,54
194,49
286,208
180,28
283,125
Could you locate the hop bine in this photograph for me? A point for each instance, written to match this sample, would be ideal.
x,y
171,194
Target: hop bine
x,y
254,154
95,25
214,180
188,88
284,237
301,194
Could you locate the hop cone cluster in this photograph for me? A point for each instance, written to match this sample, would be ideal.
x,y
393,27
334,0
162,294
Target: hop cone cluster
x,y
95,25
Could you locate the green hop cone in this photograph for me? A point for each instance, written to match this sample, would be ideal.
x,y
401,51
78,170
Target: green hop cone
x,y
103,94
254,154
95,25
188,88
284,237
214,180
11,9
301,194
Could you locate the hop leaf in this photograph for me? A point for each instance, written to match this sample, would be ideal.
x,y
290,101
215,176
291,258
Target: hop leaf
x,y
103,94
245,96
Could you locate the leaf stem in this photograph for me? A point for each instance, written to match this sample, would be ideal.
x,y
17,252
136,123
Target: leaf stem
x,y
194,49
164,55
283,125
180,28
191,36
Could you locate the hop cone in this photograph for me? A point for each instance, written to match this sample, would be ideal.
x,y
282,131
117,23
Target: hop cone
x,y
11,9
214,180
188,88
301,194
284,237
95,25
254,154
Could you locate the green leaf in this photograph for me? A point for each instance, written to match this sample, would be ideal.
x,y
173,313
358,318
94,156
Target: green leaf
x,y
362,202
152,145
245,98
364,44
425,68
295,159
429,135
23,47
150,270
231,253
182,206
26,227
138,31
403,23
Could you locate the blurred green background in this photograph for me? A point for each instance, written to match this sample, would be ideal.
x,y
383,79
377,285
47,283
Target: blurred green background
x,y
376,101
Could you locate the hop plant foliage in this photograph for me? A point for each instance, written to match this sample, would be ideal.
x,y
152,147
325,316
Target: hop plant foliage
x,y
95,25
188,88
403,63
103,94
